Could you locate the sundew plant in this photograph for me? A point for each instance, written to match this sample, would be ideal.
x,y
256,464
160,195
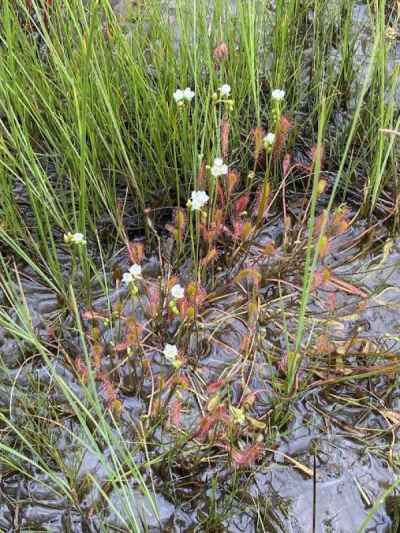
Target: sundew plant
x,y
198,216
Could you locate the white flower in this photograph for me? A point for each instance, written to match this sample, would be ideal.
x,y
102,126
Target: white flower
x,y
225,90
178,95
188,94
136,271
127,278
170,351
269,139
178,292
219,168
278,95
78,238
74,238
198,200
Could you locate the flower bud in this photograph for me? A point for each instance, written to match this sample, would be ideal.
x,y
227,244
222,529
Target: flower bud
x,y
221,52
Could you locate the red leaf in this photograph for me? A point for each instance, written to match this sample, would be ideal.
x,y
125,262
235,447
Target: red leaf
x,y
231,181
314,152
283,130
222,415
221,195
340,222
208,422
262,204
121,346
347,287
323,345
245,344
237,228
287,160
331,301
283,363
210,257
215,386
221,52
97,354
81,369
241,204
247,456
251,274
153,295
175,413
225,129
92,315
136,251
109,390
180,381
258,136
320,278
195,293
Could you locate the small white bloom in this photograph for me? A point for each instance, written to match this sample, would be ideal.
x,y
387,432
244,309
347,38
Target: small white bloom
x,y
179,95
170,351
219,168
188,94
178,292
269,139
127,278
225,90
198,199
278,95
74,238
136,271
78,238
